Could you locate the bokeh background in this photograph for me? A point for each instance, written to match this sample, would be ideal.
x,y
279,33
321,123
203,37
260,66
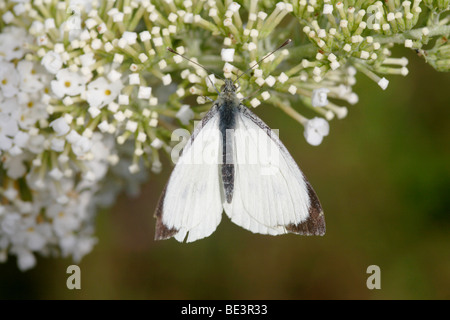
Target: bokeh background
x,y
383,177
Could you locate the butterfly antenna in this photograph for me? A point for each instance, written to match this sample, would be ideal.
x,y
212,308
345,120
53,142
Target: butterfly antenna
x,y
198,64
267,55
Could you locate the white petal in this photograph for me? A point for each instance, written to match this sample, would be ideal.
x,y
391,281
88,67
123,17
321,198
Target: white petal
x,y
60,126
185,114
52,62
227,55
26,260
5,143
319,97
312,137
315,130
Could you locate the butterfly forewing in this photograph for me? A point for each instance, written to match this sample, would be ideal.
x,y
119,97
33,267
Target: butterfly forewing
x,y
271,194
191,203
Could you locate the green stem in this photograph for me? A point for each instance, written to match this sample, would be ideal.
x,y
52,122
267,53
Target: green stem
x,y
303,51
413,35
290,111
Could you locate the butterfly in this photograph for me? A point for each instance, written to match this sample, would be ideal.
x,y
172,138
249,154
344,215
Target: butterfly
x,y
234,162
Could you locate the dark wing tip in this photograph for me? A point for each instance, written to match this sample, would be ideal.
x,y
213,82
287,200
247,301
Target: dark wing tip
x,y
315,224
162,232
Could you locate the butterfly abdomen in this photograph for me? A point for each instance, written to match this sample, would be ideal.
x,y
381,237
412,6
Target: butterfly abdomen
x,y
227,123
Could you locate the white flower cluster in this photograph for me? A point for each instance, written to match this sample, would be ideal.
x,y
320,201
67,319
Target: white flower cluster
x,y
306,80
56,145
67,203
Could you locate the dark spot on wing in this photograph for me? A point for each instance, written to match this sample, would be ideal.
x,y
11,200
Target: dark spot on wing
x,y
315,224
162,232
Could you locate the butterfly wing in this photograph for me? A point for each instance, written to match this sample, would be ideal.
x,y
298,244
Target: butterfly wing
x,y
271,195
191,203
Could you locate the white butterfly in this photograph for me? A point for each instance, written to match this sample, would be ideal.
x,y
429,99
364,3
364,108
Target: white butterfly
x,y
217,172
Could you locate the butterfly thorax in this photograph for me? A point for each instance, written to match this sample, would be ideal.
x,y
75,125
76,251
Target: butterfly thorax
x,y
227,103
227,96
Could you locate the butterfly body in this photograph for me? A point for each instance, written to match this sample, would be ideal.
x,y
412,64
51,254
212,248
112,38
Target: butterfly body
x,y
227,104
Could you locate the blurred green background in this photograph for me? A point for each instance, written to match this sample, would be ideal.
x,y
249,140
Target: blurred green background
x,y
383,177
